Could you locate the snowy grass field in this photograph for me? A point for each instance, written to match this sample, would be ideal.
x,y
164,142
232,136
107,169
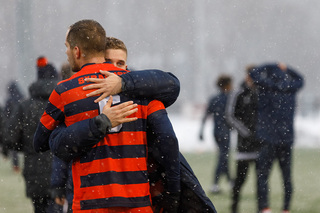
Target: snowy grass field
x,y
306,198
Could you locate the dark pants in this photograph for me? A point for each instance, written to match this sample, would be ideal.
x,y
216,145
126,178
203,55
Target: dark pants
x,y
268,154
242,171
45,205
222,165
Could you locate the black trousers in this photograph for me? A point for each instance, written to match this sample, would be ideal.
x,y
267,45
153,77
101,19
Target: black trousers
x,y
45,205
267,156
222,167
241,175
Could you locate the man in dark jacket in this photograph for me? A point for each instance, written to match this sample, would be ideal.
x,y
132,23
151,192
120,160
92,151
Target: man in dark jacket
x,y
241,114
21,127
15,97
216,108
277,86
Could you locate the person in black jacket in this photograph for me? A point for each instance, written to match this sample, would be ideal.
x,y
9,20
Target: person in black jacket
x,y
15,97
1,130
61,176
277,86
21,127
216,108
242,115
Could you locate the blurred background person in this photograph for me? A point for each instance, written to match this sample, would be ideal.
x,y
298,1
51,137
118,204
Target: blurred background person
x,y
277,86
21,127
15,96
1,130
241,114
221,132
61,176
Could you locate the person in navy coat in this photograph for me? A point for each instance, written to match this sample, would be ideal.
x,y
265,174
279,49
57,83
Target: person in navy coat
x,y
277,86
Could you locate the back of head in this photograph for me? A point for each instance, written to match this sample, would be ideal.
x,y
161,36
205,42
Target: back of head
x,y
250,68
88,35
14,92
66,71
45,69
114,43
224,82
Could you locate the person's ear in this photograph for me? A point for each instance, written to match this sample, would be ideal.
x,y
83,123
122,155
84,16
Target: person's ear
x,y
77,52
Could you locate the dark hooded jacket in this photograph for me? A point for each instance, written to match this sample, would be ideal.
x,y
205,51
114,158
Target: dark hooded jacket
x,y
277,91
15,97
21,128
241,114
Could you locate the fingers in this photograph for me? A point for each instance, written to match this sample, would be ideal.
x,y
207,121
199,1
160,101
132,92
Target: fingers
x,y
93,86
123,110
109,103
124,107
103,96
94,80
60,201
126,120
94,93
130,112
106,73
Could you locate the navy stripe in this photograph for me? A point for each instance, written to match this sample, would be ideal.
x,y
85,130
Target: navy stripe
x,y
73,83
134,202
55,112
114,152
80,106
139,125
112,177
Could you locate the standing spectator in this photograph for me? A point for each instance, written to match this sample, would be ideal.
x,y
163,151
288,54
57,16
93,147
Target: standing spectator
x,y
277,86
15,97
1,130
242,116
61,176
221,132
21,127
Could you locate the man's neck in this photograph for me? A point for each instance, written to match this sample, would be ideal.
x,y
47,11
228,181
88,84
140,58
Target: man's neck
x,y
93,60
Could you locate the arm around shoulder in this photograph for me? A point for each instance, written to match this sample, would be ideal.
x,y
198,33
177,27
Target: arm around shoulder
x,y
155,84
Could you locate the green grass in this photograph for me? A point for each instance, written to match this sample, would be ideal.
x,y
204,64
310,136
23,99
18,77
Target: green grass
x,y
306,173
12,190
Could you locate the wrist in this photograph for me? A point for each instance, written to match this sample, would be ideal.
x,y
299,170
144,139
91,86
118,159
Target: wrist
x,y
123,85
102,123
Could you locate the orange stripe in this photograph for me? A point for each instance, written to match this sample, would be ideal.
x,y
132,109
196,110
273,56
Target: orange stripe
x,y
124,138
55,99
109,164
155,106
81,116
114,190
48,121
146,209
75,94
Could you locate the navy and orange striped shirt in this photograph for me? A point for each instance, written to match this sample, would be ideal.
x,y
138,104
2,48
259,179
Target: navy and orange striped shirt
x,y
114,172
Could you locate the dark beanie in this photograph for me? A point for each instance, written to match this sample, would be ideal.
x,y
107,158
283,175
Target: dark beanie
x,y
46,70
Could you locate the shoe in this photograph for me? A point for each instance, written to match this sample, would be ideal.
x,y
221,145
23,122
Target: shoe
x,y
215,189
285,211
